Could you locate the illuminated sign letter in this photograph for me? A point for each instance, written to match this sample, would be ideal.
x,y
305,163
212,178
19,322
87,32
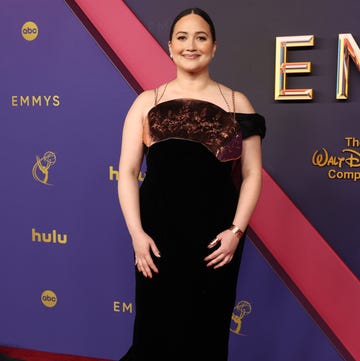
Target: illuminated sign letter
x,y
347,46
282,67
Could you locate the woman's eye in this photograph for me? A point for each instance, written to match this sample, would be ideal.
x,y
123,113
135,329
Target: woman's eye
x,y
181,37
202,38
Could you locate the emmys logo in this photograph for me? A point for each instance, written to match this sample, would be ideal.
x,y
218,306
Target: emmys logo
x,y
49,299
52,237
122,307
35,100
29,31
40,170
114,174
242,309
340,166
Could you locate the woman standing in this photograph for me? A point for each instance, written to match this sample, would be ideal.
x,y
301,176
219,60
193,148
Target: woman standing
x,y
187,221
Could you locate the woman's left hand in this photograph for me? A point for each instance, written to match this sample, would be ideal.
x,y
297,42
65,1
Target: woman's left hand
x,y
223,254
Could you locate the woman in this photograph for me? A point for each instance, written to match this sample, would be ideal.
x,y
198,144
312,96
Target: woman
x,y
187,223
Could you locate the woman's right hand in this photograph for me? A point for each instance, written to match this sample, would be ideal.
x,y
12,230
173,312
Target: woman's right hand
x,y
143,246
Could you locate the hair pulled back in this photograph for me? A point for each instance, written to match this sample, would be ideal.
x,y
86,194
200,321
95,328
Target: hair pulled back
x,y
195,11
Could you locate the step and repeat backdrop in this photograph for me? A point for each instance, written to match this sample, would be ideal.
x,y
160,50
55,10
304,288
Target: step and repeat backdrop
x,y
66,263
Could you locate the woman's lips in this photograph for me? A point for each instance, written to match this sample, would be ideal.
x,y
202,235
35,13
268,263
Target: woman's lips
x,y
191,56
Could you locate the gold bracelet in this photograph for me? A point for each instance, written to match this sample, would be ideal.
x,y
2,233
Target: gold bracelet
x,y
236,230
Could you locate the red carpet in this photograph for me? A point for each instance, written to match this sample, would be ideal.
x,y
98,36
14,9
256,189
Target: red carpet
x,y
17,354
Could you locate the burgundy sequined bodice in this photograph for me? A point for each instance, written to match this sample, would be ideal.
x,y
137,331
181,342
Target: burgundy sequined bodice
x,y
195,120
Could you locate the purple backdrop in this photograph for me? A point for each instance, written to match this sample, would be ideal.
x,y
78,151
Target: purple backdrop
x,y
68,236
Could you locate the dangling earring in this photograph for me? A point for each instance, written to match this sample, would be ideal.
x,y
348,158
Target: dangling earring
x,y
171,56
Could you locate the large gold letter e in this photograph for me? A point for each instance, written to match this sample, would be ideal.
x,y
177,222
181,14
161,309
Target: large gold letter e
x,y
282,67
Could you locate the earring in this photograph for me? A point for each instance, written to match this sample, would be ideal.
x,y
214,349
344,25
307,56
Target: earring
x,y
171,56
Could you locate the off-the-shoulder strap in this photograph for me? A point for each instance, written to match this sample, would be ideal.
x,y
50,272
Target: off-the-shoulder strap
x,y
251,124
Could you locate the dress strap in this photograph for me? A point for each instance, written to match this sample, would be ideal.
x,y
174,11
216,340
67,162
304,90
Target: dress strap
x,y
156,91
233,101
226,102
157,97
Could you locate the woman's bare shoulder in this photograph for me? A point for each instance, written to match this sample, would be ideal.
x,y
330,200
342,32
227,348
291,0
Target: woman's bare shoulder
x,y
143,102
242,103
147,96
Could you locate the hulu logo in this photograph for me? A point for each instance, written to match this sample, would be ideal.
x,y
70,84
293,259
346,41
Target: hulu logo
x,y
52,237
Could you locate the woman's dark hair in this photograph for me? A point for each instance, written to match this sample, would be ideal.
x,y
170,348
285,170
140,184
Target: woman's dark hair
x,y
195,11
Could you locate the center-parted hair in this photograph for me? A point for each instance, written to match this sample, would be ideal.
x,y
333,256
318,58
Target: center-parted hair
x,y
195,11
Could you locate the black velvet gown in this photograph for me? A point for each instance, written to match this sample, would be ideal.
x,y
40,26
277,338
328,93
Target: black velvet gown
x,y
188,196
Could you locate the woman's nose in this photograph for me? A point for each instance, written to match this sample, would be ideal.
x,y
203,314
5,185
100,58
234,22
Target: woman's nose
x,y
191,45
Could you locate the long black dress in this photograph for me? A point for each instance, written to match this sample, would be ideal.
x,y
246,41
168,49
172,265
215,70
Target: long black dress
x,y
188,196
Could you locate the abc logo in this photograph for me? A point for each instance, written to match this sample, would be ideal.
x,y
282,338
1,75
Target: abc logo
x,y
29,31
49,298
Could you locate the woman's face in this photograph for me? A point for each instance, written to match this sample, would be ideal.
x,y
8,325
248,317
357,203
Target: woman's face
x,y
192,46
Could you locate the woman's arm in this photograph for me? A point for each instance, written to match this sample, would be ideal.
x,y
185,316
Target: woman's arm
x,y
131,158
251,168
251,165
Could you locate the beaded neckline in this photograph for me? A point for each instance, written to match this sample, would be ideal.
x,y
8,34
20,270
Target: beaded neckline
x,y
199,101
183,100
159,97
